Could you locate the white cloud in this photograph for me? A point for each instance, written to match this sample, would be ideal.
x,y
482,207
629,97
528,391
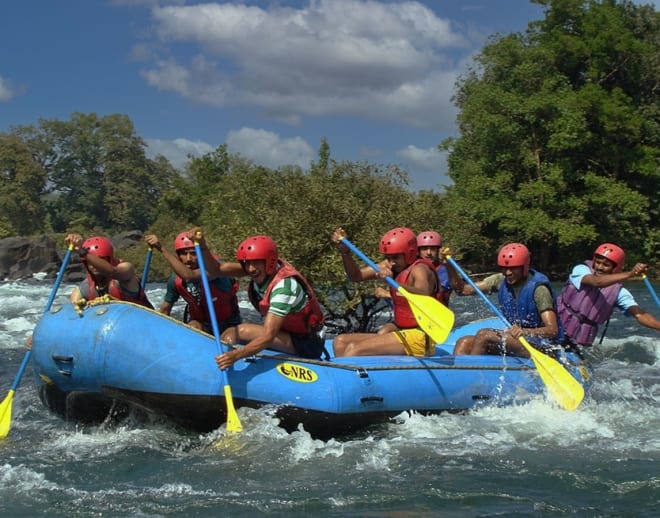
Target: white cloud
x,y
385,61
6,93
429,159
262,147
177,150
270,149
428,166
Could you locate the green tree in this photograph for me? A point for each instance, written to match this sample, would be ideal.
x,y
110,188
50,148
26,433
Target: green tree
x,y
22,180
98,174
131,182
559,137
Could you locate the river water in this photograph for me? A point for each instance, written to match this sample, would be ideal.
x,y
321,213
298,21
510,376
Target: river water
x,y
529,460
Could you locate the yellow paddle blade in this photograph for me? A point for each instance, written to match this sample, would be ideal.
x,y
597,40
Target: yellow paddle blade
x,y
568,392
433,317
5,414
233,422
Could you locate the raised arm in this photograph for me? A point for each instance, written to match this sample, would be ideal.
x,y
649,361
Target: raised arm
x,y
352,269
607,279
124,272
177,266
456,281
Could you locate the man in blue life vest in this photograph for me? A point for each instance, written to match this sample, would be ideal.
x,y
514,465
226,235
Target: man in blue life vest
x,y
106,275
526,300
592,292
185,282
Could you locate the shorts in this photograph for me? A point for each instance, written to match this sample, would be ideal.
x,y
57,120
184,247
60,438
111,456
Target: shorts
x,y
415,341
308,346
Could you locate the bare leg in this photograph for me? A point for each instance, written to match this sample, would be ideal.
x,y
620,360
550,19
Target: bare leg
x,y
246,332
463,346
196,324
513,348
387,328
230,336
487,341
367,344
341,342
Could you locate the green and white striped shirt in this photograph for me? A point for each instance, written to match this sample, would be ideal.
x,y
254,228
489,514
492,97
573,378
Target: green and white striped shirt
x,y
288,296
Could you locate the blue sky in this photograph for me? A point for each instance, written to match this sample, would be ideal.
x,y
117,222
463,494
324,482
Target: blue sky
x,y
268,78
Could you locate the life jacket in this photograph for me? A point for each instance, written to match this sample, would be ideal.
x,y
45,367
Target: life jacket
x,y
404,317
306,321
522,310
114,290
225,303
581,311
443,280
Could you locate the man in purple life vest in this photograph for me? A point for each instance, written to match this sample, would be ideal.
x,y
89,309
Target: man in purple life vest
x,y
592,292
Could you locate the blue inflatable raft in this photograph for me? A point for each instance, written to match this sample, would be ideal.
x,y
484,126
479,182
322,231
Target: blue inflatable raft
x,y
114,356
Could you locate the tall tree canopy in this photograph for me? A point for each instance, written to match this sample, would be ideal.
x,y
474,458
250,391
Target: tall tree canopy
x,y
559,135
97,171
22,182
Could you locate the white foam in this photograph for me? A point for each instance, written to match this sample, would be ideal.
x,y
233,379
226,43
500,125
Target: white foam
x,y
21,479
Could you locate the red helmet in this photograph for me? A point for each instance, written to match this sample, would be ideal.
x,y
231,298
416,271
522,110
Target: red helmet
x,y
429,238
183,242
100,247
514,254
259,248
613,253
400,240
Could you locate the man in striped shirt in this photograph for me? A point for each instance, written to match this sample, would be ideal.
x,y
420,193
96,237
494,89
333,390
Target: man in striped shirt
x,y
291,311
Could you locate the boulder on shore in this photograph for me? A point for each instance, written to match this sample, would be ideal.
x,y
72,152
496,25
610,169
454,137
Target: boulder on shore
x,y
23,258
